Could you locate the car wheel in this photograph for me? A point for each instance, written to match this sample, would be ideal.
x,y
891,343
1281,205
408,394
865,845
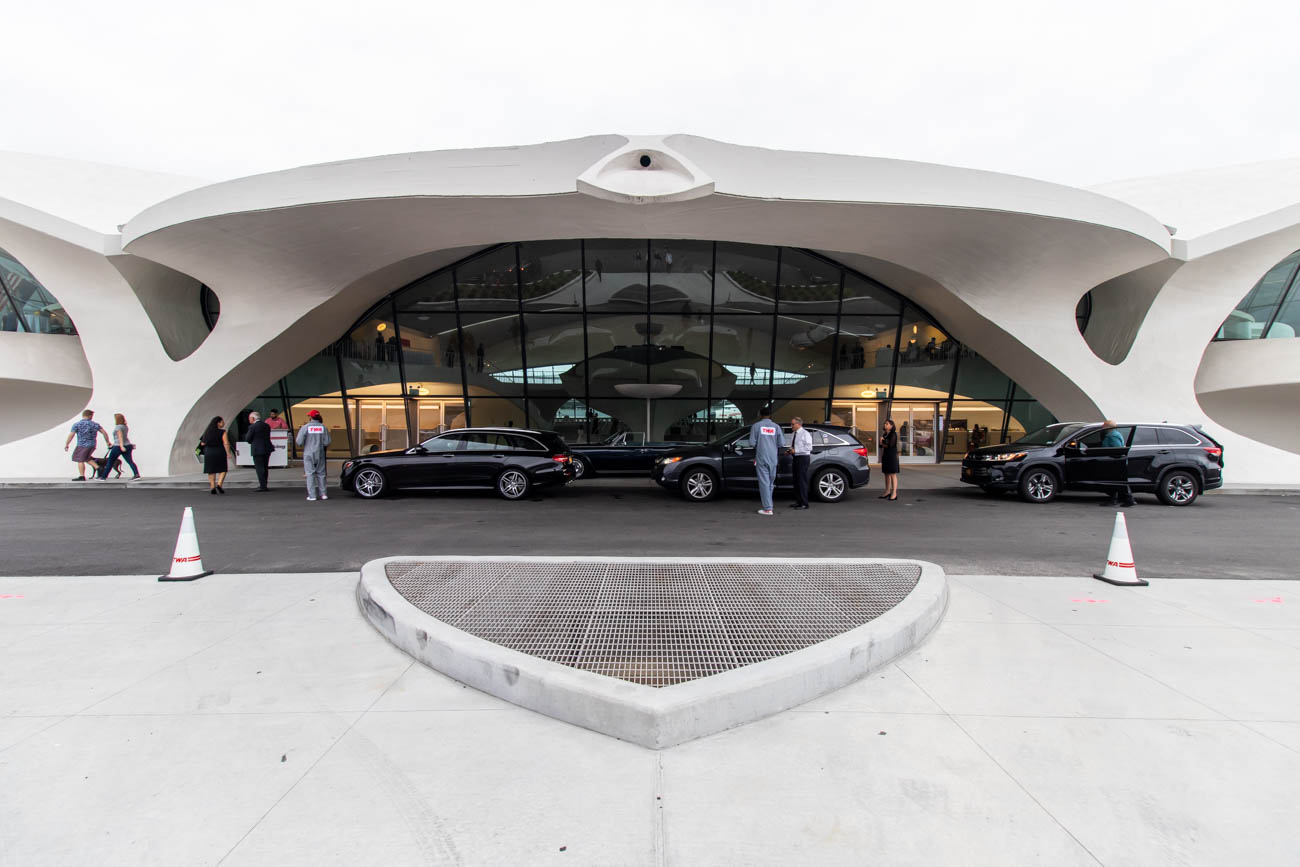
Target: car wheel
x,y
581,469
369,483
1039,485
831,486
699,485
513,484
1178,488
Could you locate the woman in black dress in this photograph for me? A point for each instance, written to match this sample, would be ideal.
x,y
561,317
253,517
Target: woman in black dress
x,y
215,443
889,460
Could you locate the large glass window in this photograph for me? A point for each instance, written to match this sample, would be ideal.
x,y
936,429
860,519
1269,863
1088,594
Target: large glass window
x,y
1250,320
651,339
25,305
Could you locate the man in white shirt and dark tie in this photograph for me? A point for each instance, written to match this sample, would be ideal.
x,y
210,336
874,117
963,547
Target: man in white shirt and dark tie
x,y
801,448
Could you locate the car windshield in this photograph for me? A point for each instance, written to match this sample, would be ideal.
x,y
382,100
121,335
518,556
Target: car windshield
x,y
1053,433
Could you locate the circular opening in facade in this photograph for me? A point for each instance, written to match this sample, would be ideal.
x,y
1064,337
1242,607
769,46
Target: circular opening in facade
x,y
645,161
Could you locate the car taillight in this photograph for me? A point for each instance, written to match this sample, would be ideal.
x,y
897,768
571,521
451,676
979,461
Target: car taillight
x,y
560,459
862,451
1214,451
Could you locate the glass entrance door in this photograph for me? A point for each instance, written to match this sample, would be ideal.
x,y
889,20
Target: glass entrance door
x,y
863,418
431,417
380,424
917,424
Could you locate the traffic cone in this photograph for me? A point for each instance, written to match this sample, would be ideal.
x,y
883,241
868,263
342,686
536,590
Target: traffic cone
x,y
1120,568
187,565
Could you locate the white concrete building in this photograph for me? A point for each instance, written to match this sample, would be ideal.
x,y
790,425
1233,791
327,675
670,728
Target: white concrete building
x,y
552,284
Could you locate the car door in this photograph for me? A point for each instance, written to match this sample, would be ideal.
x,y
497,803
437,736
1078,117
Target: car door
x,y
738,464
785,462
1093,461
435,466
481,458
1143,456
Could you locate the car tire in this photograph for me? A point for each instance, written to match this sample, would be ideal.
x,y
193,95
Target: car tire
x,y
830,486
513,484
1039,485
369,483
581,468
699,484
1178,488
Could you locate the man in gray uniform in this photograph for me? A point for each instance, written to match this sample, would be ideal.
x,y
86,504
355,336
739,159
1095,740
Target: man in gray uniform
x,y
765,434
313,437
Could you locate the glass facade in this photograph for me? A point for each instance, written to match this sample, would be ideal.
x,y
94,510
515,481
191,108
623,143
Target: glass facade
x,y
1271,308
669,340
25,305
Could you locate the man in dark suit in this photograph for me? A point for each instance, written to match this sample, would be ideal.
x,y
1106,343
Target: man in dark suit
x,y
259,442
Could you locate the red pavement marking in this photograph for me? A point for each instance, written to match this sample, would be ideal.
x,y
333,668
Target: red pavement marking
x,y
1094,601
1276,600
11,596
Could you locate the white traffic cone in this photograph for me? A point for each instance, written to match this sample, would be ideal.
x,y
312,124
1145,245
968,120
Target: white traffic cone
x,y
186,562
1120,568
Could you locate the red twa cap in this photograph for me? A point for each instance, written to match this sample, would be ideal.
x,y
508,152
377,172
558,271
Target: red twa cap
x,y
315,413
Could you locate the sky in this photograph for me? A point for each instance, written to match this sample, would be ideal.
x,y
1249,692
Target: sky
x,y
1077,93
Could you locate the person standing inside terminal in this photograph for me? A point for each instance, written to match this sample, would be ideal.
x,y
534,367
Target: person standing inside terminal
x,y
274,422
313,438
765,434
889,459
259,445
801,451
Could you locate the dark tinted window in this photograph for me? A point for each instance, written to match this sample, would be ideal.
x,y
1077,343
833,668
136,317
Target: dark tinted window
x,y
484,441
1145,436
1094,439
525,444
1170,436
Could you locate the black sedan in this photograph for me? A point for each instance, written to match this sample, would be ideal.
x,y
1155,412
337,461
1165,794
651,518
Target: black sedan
x,y
510,461
622,454
1174,462
839,462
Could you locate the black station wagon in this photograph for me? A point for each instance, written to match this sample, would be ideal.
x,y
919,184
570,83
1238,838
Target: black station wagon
x,y
1175,462
510,461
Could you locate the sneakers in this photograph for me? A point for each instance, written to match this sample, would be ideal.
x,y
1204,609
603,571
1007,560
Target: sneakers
x,y
765,511
324,496
311,499
78,478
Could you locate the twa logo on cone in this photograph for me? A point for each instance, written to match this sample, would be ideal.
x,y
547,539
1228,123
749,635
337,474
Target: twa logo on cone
x,y
187,564
1120,568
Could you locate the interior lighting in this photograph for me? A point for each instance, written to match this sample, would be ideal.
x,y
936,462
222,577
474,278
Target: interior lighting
x,y
913,329
381,326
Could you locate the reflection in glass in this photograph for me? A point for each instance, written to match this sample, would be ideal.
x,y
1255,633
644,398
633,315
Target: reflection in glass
x,y
805,347
497,412
808,284
746,279
679,353
681,275
493,359
617,272
488,282
25,305
1251,317
925,362
431,295
976,377
552,275
863,297
973,424
369,356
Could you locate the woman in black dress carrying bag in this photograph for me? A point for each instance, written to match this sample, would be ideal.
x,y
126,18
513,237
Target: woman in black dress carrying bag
x,y
889,460
215,443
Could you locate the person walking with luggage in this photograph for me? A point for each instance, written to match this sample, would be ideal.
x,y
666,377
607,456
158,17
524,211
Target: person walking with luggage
x,y
313,437
765,434
801,451
259,445
216,445
122,447
889,460
87,431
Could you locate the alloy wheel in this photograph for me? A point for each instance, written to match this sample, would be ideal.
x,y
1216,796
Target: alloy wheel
x,y
830,486
1180,489
369,483
699,485
579,468
1041,486
513,484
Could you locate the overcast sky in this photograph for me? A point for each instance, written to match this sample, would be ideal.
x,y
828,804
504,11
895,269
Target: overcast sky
x,y
1072,92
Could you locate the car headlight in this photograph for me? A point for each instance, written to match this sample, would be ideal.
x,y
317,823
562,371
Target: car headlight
x,y
671,460
1008,456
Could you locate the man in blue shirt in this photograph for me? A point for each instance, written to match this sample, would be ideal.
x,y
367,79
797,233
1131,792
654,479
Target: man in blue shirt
x,y
86,432
1120,494
765,434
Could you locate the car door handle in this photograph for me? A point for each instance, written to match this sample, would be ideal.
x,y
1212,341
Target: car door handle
x,y
498,456
449,456
1164,451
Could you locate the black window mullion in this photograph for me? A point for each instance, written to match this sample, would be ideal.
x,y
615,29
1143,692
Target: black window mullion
x,y
523,337
587,421
18,311
460,352
708,392
1282,297
1006,409
947,413
835,348
343,392
776,302
401,372
288,414
897,359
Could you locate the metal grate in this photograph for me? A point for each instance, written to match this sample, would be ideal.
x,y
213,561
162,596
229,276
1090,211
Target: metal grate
x,y
655,624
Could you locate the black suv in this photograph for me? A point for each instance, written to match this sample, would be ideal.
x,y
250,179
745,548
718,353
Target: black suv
x,y
509,460
839,462
1174,462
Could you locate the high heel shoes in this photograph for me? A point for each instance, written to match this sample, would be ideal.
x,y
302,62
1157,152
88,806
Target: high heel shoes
x,y
220,490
